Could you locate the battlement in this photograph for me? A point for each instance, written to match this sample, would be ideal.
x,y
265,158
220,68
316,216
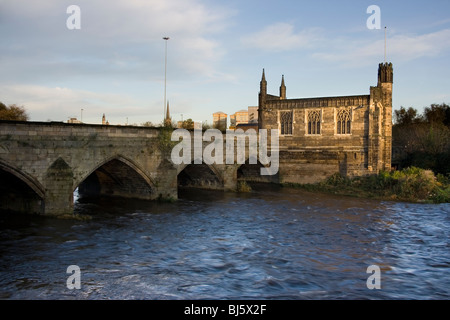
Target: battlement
x,y
385,73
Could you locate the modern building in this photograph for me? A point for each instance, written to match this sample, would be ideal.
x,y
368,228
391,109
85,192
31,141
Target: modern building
x,y
238,118
74,120
232,121
252,114
220,120
247,126
241,117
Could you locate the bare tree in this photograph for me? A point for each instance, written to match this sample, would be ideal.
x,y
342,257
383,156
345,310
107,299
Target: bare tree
x,y
13,112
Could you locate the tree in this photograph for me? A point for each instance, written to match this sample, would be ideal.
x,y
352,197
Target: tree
x,y
437,113
206,126
148,124
423,140
188,124
13,112
406,116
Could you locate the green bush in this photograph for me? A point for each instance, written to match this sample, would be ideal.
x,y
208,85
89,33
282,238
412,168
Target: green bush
x,y
415,184
243,186
440,195
410,184
337,179
165,142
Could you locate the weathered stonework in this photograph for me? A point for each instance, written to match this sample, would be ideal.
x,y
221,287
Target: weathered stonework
x,y
42,163
321,136
54,159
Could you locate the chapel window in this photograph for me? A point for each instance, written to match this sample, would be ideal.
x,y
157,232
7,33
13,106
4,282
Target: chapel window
x,y
314,122
286,122
343,122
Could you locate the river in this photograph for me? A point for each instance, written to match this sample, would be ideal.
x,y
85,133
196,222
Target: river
x,y
271,243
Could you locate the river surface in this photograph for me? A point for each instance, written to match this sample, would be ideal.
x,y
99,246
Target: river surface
x,y
272,243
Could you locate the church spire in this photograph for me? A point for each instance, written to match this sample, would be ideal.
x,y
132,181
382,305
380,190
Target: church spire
x,y
263,85
262,99
282,89
167,120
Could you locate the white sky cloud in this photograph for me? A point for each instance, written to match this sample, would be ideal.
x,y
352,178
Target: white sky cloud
x,y
59,103
282,37
123,33
216,51
400,47
118,48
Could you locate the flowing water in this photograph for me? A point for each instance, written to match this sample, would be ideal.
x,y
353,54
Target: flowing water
x,y
272,243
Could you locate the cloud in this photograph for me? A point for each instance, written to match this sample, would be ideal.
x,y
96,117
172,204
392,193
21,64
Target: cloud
x,y
356,51
59,103
54,71
282,37
121,37
400,47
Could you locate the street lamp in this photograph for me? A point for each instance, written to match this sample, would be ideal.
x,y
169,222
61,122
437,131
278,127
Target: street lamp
x,y
81,120
165,78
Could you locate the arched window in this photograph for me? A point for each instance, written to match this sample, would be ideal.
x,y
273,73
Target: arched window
x,y
314,122
343,122
286,122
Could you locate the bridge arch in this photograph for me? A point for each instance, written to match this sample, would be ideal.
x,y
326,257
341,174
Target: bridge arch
x,y
116,176
202,175
19,191
252,173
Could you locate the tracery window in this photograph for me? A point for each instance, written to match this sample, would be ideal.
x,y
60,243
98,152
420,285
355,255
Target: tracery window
x,y
343,122
314,122
286,122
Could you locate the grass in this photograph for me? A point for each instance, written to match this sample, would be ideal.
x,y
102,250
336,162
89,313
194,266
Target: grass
x,y
243,186
410,185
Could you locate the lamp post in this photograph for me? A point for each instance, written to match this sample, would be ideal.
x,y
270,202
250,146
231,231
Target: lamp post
x,y
81,120
165,78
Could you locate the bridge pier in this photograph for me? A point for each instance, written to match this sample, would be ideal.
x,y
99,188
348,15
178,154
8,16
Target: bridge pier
x,y
58,203
230,177
58,189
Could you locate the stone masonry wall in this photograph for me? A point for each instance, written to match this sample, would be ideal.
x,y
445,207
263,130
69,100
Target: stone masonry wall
x,y
57,157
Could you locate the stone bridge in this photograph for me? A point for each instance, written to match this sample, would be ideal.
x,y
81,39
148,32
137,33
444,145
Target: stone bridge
x,y
43,163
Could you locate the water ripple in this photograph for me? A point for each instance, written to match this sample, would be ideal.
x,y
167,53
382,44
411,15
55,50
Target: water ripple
x,y
270,244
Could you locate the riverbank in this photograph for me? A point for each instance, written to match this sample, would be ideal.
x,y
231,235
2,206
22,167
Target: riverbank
x,y
410,185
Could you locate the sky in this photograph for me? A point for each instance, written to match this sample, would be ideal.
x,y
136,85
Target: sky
x,y
114,63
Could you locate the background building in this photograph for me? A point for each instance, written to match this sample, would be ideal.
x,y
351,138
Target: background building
x,y
233,121
73,120
220,120
252,114
237,118
244,119
241,117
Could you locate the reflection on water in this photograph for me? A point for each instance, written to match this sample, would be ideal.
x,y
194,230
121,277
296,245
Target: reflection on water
x,y
267,244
